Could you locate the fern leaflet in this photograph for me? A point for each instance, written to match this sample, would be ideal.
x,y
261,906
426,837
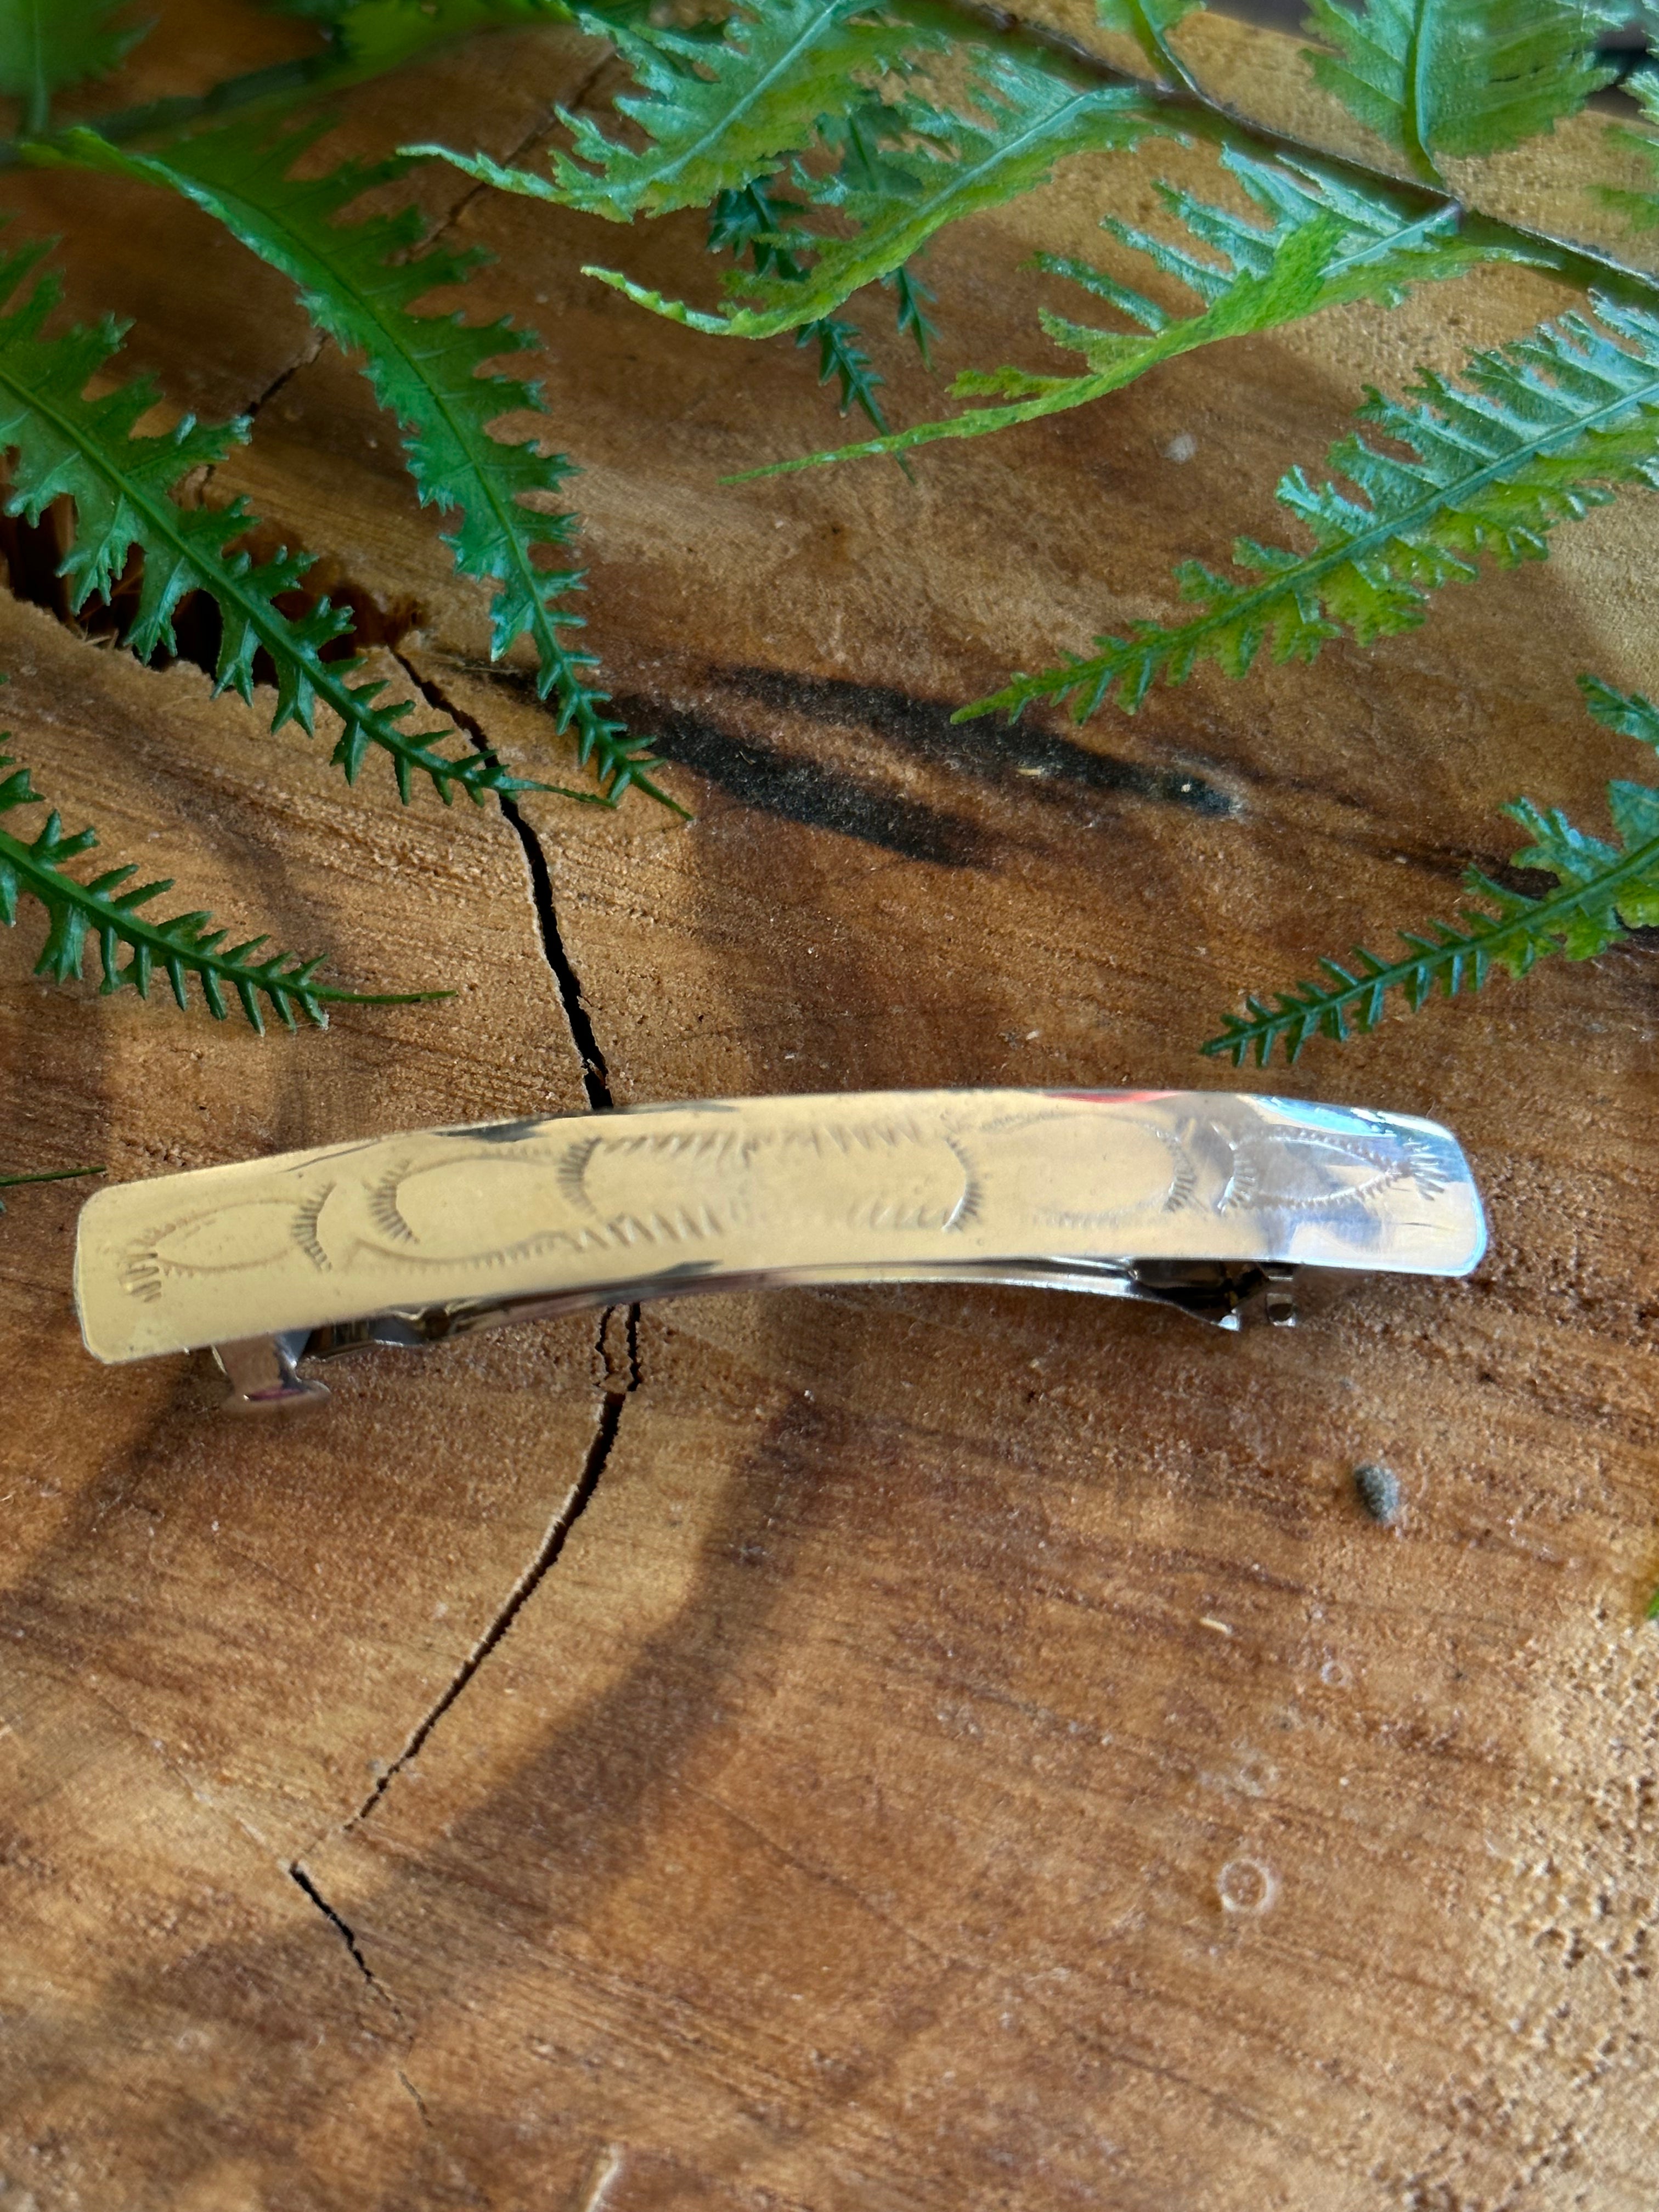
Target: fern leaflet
x,y
912,297
122,486
1461,78
108,910
1326,245
934,167
357,285
747,221
46,43
1539,432
1602,891
717,109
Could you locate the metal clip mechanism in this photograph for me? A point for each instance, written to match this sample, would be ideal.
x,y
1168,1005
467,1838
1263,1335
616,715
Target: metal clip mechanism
x,y
1205,1200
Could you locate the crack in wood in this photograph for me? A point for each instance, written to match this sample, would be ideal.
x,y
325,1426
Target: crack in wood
x,y
256,406
348,1935
596,1074
516,153
619,1388
418,2101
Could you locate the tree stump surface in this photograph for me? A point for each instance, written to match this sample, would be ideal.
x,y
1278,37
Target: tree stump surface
x,y
864,1750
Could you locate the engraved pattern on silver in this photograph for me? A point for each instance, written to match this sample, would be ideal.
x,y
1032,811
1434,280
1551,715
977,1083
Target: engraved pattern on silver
x,y
407,1239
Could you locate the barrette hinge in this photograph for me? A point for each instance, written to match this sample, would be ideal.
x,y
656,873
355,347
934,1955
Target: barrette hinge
x,y
262,1376
260,1373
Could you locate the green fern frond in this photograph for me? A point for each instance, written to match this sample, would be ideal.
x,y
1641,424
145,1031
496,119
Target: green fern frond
x,y
747,221
47,1174
1461,78
47,43
911,311
122,485
723,107
935,167
358,283
108,912
1539,432
1602,892
361,39
718,107
841,356
1631,713
1326,243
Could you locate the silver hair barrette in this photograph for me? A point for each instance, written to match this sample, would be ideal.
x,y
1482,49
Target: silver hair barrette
x,y
1207,1201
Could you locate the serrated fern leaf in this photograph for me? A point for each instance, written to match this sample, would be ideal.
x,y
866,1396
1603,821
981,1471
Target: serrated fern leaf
x,y
746,222
122,485
911,299
1461,78
358,283
935,167
841,357
46,43
108,911
1538,433
361,39
1603,890
717,107
1631,713
1326,243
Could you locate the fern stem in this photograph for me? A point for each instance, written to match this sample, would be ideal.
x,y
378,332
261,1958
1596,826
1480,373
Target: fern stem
x,y
1205,117
578,705
358,283
45,1174
1101,673
332,70
1064,392
1159,52
180,108
108,910
1362,998
1417,102
161,517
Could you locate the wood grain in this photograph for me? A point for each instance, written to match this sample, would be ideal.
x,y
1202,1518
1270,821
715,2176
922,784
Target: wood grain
x,y
879,1749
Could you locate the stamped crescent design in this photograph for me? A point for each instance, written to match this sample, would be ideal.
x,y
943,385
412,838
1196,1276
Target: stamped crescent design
x,y
888,1182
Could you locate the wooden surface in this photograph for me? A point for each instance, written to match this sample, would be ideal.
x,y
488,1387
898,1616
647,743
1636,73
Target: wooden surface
x,y
810,1751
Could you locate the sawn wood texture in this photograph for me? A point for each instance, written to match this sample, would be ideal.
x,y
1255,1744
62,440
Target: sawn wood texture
x,y
871,1751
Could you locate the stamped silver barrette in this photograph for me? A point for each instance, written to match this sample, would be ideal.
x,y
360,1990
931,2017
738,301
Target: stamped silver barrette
x,y
1207,1201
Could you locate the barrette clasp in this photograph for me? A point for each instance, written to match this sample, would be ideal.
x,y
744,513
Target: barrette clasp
x,y
1207,1201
